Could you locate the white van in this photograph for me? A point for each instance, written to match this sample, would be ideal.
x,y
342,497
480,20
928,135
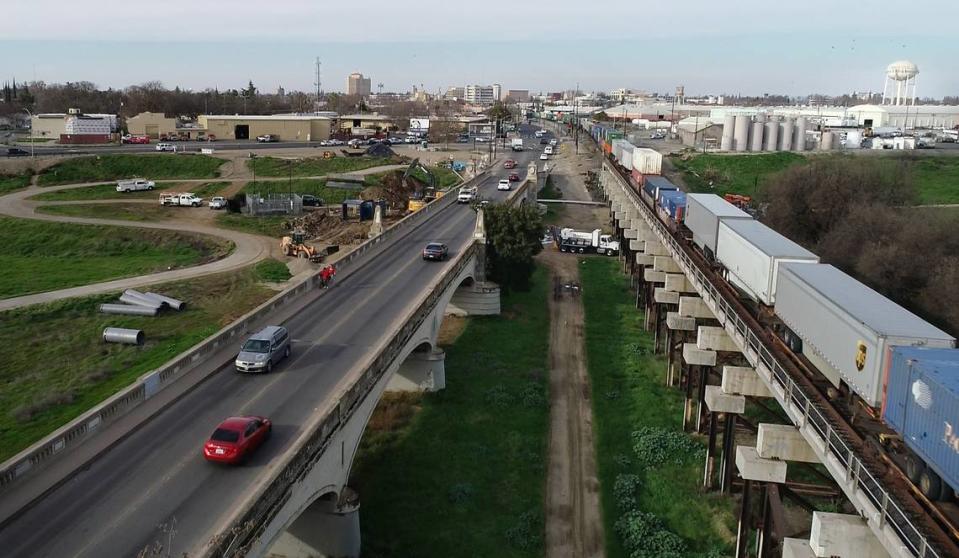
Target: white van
x,y
548,150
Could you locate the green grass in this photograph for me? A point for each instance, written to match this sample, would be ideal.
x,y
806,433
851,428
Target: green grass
x,y
39,256
12,182
317,166
271,271
268,225
316,187
56,365
445,177
119,210
628,393
466,475
550,191
116,167
937,180
109,192
736,174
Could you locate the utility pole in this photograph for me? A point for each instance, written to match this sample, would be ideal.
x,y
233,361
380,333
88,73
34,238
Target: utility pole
x,y
317,82
576,120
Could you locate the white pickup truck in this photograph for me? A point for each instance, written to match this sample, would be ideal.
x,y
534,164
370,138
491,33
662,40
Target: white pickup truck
x,y
466,194
135,185
188,200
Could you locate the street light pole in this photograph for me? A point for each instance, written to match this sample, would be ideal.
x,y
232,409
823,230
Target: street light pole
x,y
290,187
33,142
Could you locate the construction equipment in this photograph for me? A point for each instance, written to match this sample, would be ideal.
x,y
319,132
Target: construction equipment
x,y
740,201
329,155
420,193
295,246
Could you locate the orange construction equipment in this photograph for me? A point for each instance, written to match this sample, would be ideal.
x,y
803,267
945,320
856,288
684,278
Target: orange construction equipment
x,y
739,200
295,246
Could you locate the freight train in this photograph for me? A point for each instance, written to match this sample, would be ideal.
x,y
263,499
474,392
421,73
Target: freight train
x,y
903,370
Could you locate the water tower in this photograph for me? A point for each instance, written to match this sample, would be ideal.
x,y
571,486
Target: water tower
x,y
902,73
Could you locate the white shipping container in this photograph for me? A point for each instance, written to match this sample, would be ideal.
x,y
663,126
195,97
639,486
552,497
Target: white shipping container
x,y
618,148
752,253
849,327
627,156
648,161
703,213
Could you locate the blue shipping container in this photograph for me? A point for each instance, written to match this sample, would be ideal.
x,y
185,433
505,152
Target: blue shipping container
x,y
655,184
922,404
674,204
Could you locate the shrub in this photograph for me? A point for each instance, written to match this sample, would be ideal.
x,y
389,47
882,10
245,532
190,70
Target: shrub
x,y
645,536
658,446
525,533
624,490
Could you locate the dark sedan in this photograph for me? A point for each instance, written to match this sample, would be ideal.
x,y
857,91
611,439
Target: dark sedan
x,y
436,252
16,152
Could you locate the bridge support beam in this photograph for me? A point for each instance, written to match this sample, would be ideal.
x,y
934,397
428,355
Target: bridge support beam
x,y
325,529
477,299
422,371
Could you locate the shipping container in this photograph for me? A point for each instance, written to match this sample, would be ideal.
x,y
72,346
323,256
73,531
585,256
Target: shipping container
x,y
636,175
703,213
922,404
848,328
627,156
617,149
653,185
672,204
648,160
752,253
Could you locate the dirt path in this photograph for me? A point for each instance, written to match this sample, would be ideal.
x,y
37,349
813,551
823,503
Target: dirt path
x,y
574,526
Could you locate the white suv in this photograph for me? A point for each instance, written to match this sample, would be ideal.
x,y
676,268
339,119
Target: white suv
x,y
466,195
503,184
166,147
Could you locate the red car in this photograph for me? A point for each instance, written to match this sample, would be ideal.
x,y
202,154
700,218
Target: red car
x,y
514,177
135,139
236,438
509,164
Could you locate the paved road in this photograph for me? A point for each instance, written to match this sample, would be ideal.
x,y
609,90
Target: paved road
x,y
157,477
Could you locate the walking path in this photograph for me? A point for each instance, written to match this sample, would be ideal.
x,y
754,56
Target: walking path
x,y
574,526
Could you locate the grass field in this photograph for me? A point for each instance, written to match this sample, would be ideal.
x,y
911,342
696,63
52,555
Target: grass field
x,y
40,256
13,182
462,472
272,271
119,210
269,225
937,180
317,166
315,187
109,192
116,167
628,394
736,174
56,366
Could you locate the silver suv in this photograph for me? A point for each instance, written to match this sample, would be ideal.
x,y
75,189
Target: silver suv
x,y
263,349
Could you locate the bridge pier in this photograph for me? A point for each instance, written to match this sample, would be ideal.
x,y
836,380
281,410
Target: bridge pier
x,y
421,371
329,528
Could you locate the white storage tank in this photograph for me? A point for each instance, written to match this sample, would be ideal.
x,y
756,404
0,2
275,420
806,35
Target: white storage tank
x,y
647,161
703,214
756,137
853,139
772,135
741,133
849,327
729,124
826,143
799,143
751,252
786,134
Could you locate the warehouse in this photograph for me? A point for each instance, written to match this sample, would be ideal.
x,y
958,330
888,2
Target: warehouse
x,y
284,128
151,124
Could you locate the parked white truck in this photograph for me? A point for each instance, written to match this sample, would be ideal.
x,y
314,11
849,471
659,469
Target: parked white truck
x,y
135,185
581,242
466,194
187,200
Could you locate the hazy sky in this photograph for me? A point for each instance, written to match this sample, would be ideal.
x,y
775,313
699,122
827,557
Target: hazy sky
x,y
743,46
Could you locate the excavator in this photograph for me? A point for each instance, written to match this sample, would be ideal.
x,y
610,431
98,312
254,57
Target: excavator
x,y
295,246
421,195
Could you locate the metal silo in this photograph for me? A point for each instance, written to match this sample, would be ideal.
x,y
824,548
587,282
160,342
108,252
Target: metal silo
x,y
741,136
787,135
800,141
827,142
772,135
729,123
853,139
756,136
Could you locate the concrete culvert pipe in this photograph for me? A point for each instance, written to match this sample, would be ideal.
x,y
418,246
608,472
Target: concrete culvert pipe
x,y
131,296
124,336
171,302
128,310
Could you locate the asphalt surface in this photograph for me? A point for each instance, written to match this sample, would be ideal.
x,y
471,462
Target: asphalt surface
x,y
156,478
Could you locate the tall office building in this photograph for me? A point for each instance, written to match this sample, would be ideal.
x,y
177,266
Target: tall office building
x,y
482,94
356,84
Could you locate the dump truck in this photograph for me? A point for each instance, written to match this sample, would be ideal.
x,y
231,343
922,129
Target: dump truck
x,y
581,242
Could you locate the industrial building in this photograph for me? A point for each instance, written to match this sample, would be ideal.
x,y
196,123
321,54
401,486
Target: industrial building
x,y
74,127
284,127
356,84
365,125
518,95
151,124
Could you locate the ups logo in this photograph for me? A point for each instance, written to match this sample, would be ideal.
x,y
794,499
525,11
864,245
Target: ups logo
x,y
860,356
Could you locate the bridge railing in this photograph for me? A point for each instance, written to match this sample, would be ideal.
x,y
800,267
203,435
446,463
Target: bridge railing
x,y
82,428
791,395
242,531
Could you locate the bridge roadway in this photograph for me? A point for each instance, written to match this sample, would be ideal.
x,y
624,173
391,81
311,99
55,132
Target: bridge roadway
x,y
156,478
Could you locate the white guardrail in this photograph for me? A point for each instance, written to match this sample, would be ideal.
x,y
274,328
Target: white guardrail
x,y
148,385
867,493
